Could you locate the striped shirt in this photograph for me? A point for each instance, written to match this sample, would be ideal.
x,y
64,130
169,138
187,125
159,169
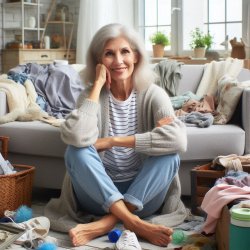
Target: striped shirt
x,y
122,163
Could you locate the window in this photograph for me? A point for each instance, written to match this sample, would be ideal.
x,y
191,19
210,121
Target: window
x,y
223,19
156,16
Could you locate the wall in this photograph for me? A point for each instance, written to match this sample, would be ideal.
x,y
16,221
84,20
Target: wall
x,y
126,12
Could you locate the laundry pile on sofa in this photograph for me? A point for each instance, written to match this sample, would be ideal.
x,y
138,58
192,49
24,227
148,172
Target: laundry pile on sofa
x,y
37,92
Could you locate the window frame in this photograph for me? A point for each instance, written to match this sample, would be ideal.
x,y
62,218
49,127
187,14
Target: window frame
x,y
177,46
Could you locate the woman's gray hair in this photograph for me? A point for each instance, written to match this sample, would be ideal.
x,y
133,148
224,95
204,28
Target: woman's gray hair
x,y
143,74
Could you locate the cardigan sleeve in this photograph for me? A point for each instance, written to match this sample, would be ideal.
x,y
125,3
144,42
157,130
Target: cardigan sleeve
x,y
80,128
167,139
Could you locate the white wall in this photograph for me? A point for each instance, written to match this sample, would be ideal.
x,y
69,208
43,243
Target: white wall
x,y
126,12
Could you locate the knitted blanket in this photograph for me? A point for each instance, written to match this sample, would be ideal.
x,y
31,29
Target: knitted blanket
x,y
214,71
21,101
169,75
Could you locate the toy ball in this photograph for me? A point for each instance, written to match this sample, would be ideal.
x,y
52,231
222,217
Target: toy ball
x,y
23,213
178,237
47,246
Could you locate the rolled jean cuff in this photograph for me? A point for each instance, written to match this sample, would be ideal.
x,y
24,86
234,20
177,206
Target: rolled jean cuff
x,y
132,200
113,198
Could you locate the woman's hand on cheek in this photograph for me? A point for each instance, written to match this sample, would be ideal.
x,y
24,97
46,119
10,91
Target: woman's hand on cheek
x,y
102,76
108,79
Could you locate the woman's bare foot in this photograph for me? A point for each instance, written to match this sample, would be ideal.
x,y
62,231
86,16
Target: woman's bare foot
x,y
83,233
156,234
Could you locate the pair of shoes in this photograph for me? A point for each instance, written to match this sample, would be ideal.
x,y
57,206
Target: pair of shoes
x,y
36,230
127,241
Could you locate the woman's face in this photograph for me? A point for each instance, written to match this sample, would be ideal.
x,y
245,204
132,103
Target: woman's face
x,y
119,59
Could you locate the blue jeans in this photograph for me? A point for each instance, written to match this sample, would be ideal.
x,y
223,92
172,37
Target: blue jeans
x,y
96,192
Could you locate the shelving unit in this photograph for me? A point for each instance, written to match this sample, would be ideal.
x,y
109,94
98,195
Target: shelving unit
x,y
13,56
19,26
63,24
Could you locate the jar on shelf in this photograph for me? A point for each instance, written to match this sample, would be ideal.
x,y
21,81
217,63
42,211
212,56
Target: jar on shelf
x,y
32,22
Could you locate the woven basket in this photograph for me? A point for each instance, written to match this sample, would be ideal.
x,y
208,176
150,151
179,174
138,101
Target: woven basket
x,y
16,189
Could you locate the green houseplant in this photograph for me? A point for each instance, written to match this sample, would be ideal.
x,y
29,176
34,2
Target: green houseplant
x,y
159,41
200,42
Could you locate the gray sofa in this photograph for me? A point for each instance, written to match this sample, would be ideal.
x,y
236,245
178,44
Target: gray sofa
x,y
39,144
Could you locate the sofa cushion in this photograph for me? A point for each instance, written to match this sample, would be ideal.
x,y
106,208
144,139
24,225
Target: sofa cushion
x,y
34,138
207,143
229,94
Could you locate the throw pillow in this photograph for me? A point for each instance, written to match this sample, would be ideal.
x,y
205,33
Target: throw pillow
x,y
213,71
229,93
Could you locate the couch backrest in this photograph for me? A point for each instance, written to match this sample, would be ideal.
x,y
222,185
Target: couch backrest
x,y
244,75
191,77
192,74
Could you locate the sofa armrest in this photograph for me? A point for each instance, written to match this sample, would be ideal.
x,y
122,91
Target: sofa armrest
x,y
3,103
246,117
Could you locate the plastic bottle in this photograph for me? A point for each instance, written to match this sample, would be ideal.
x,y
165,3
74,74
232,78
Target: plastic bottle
x,y
114,235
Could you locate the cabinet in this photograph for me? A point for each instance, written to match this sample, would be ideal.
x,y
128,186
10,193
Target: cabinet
x,y
13,57
21,22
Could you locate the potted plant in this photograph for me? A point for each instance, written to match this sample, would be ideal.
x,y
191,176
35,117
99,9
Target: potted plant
x,y
208,41
210,54
200,42
159,41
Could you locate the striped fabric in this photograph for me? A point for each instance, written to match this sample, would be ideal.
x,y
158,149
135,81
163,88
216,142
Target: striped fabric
x,y
122,163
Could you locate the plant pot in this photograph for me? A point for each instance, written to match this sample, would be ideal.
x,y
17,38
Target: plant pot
x,y
158,50
199,52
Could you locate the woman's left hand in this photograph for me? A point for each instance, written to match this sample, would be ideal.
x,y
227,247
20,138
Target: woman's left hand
x,y
164,121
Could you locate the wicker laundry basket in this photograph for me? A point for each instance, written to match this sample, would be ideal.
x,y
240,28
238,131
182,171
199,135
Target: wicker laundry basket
x,y
15,189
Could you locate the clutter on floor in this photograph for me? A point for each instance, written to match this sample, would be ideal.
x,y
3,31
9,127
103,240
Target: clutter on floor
x,y
27,231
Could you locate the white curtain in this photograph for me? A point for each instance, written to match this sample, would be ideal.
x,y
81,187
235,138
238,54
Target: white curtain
x,y
247,39
93,14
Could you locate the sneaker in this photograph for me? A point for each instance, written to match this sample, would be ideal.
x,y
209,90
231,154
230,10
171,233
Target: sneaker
x,y
36,229
127,241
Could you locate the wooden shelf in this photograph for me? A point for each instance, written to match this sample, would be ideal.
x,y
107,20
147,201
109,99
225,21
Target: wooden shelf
x,y
185,60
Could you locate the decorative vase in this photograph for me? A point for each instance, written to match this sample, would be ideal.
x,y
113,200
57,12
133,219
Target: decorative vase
x,y
199,52
32,22
47,42
158,50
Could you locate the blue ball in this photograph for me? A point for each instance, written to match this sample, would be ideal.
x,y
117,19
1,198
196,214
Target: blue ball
x,y
47,246
23,213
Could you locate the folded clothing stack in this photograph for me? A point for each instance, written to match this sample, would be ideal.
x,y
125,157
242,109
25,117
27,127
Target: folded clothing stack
x,y
5,166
